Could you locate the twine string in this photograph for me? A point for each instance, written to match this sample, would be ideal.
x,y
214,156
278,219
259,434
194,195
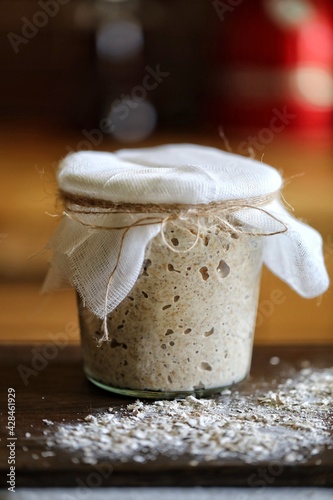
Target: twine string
x,y
105,326
107,206
75,206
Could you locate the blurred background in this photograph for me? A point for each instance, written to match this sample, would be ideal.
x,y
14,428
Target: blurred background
x,y
254,77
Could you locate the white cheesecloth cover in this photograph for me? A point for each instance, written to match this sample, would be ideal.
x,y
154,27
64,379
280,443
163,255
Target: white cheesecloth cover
x,y
85,256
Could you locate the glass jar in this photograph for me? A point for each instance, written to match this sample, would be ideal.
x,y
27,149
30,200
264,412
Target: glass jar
x,y
187,325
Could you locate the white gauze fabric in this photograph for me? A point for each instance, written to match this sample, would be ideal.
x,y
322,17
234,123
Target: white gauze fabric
x,y
85,256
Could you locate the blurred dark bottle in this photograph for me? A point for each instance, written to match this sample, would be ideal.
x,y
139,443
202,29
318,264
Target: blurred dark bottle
x,y
275,57
151,66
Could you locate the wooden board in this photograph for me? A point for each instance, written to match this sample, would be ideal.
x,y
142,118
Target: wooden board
x,y
59,392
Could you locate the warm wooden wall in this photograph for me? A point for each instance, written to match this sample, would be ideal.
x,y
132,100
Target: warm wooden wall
x,y
27,194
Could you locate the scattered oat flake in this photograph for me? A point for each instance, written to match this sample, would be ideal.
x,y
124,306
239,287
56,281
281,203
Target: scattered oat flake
x,y
47,422
290,423
48,454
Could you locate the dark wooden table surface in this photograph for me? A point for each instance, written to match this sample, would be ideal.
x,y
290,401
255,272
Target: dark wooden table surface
x,y
58,391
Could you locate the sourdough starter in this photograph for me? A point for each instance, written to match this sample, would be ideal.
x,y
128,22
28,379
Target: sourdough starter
x,y
187,324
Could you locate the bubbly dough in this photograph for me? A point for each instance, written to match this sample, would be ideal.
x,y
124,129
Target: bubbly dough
x,y
188,322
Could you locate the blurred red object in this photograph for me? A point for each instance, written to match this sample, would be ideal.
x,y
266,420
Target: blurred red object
x,y
275,56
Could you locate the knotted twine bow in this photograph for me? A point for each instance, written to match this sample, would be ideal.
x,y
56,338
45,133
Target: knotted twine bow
x,y
220,211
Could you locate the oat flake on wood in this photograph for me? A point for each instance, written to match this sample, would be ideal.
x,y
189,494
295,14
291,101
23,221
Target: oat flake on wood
x,y
290,425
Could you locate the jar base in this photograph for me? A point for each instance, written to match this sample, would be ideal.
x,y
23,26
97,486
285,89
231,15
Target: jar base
x,y
149,394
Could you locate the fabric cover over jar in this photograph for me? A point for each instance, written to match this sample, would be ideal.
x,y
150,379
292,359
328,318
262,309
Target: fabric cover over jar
x,y
85,254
